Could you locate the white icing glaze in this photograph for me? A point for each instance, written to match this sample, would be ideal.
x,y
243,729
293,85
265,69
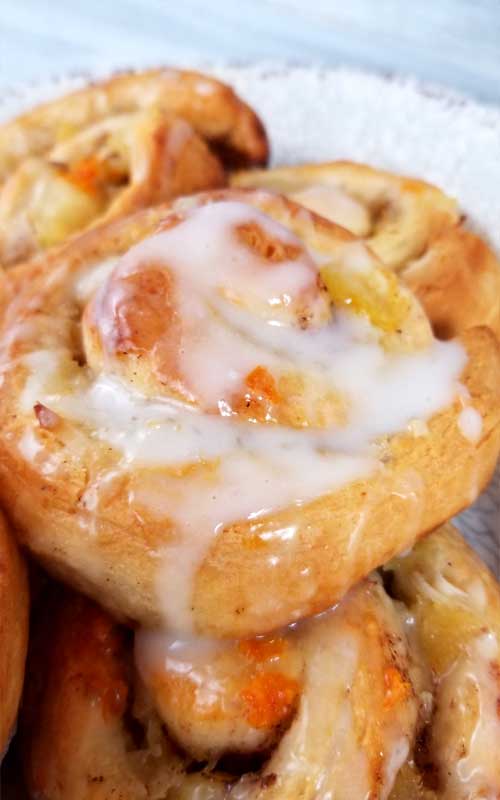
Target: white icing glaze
x,y
158,647
193,658
470,423
278,466
240,313
336,205
213,359
90,278
343,764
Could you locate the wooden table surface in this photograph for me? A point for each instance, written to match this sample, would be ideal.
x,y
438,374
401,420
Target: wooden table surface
x,y
452,42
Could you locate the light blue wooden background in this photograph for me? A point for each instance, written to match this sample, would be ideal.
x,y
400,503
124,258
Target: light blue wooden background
x,y
453,42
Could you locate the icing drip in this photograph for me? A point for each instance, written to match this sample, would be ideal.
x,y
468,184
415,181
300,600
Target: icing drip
x,y
238,311
471,424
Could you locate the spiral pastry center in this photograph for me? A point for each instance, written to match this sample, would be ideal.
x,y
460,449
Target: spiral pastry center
x,y
235,368
178,318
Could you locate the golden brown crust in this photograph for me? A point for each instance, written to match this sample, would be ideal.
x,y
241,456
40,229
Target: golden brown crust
x,y
212,108
222,697
76,696
380,682
458,283
46,200
338,538
14,603
114,147
413,227
402,215
79,710
421,486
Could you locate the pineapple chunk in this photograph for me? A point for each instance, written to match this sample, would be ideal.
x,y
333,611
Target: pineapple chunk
x,y
374,293
58,208
357,281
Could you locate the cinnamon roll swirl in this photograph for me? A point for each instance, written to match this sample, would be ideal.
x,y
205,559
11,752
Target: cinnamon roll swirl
x,y
224,413
114,147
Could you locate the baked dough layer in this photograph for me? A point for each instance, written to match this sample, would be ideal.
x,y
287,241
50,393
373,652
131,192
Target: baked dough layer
x,y
112,550
399,683
414,228
116,146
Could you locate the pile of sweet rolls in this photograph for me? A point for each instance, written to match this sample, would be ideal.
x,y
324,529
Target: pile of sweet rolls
x,y
238,408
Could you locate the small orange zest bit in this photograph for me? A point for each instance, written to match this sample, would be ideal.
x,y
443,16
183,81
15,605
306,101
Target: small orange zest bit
x,y
91,174
396,688
261,383
269,698
260,650
86,174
